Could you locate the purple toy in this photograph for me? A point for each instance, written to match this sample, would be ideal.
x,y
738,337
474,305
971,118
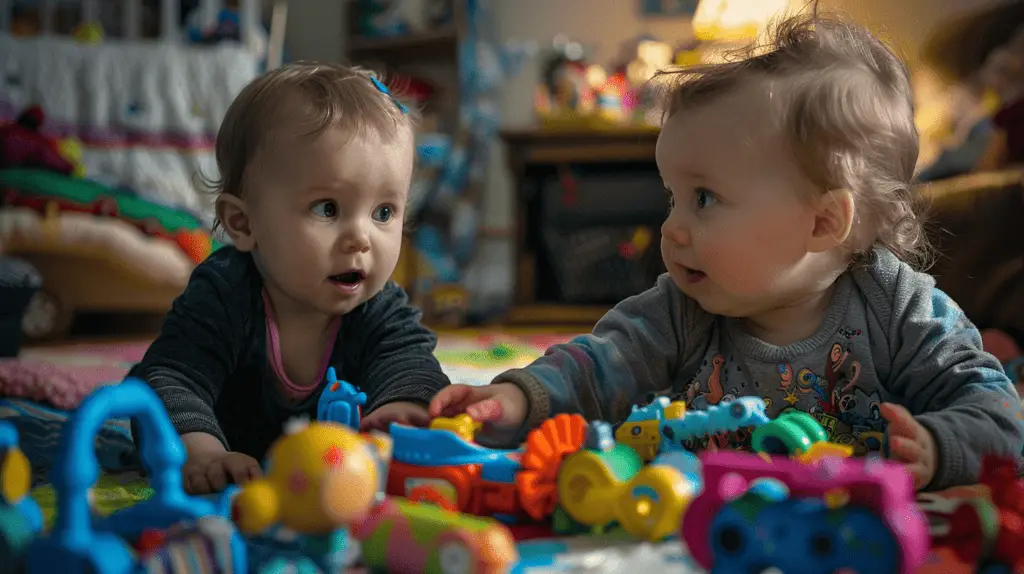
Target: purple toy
x,y
739,487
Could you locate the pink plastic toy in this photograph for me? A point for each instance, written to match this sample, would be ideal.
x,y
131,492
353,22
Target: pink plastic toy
x,y
879,487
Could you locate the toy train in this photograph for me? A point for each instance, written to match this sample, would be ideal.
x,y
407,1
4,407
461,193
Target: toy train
x,y
832,515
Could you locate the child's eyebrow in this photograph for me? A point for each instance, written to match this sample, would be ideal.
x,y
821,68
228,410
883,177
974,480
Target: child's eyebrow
x,y
393,194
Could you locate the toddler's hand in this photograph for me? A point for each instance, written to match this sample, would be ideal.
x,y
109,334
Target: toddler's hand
x,y
403,412
911,443
205,473
503,405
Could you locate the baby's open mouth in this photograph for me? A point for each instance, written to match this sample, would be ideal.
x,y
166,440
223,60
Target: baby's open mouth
x,y
693,276
349,278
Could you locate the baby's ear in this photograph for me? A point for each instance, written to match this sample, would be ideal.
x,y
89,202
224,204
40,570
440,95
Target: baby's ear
x,y
833,220
231,211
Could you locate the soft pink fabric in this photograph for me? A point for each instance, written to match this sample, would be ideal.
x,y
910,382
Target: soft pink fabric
x,y
63,376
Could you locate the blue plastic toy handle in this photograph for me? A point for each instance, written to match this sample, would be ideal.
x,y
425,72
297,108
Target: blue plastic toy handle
x,y
8,435
76,470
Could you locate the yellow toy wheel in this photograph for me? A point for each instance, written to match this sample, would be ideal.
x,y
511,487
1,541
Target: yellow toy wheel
x,y
651,506
586,487
15,476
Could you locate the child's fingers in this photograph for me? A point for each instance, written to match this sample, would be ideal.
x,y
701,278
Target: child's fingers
x,y
917,473
418,418
216,476
242,470
197,483
905,450
486,411
901,422
452,400
377,423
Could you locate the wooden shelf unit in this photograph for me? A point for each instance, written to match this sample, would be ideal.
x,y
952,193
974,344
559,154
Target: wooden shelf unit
x,y
440,44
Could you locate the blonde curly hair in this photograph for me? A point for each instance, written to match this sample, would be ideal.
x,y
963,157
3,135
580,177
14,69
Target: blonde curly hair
x,y
847,112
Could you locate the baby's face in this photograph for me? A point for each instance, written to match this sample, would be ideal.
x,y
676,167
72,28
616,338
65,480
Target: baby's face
x,y
735,238
327,214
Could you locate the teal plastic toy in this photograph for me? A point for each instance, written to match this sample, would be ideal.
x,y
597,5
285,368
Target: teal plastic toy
x,y
791,433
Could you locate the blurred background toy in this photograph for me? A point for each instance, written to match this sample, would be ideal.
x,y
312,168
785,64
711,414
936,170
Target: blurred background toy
x,y
22,144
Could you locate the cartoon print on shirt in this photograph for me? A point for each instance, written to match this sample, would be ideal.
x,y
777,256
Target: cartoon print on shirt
x,y
851,381
808,381
715,393
692,390
786,383
849,333
852,407
833,368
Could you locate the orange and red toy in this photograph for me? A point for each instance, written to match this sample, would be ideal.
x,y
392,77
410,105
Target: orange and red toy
x,y
442,465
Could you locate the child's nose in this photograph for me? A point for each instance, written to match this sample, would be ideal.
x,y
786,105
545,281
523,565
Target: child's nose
x,y
674,231
355,240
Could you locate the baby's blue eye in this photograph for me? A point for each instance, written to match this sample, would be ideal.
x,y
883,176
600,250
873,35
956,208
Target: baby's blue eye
x,y
384,213
326,209
705,197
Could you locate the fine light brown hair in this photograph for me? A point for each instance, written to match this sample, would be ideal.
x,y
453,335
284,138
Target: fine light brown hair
x,y
313,97
847,112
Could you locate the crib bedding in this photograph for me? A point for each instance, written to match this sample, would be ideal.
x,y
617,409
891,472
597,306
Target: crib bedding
x,y
158,260
146,112
38,187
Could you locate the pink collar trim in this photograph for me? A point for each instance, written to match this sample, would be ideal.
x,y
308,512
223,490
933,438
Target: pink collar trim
x,y
293,390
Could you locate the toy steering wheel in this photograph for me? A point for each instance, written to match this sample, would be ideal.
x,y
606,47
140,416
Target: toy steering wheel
x,y
75,544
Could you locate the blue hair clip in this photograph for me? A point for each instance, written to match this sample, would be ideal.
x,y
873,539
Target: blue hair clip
x,y
384,90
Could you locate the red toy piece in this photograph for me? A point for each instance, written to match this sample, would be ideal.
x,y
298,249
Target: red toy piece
x,y
989,530
23,145
443,466
151,540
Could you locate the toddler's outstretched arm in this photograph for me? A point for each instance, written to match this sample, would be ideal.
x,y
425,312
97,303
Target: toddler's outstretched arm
x,y
634,349
189,361
957,391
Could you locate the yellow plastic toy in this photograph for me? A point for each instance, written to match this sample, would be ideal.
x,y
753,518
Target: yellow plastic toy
x,y
642,430
823,449
15,475
462,425
320,477
652,504
598,487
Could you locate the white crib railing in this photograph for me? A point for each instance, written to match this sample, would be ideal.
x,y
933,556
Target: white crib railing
x,y
131,24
